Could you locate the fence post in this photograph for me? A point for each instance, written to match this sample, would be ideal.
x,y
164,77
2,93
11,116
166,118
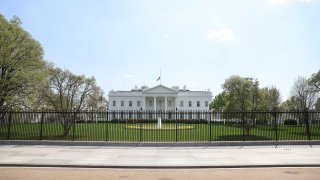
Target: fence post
x,y
41,126
276,125
140,124
9,126
107,126
74,125
210,134
306,119
243,126
176,124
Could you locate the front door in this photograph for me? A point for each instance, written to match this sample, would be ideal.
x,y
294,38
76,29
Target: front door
x,y
160,106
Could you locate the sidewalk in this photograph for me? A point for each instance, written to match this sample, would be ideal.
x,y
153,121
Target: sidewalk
x,y
159,157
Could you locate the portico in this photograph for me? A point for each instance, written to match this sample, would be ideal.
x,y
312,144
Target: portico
x,y
159,103
159,98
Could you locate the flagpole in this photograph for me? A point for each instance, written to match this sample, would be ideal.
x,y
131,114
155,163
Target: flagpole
x,y
160,76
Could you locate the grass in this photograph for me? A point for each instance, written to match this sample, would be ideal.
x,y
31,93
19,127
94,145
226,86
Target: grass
x,y
121,132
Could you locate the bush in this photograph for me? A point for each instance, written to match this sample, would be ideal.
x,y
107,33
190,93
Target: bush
x,y
194,121
262,122
315,121
290,122
90,121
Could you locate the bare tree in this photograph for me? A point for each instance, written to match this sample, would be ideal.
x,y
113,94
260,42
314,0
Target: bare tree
x,y
96,100
68,92
305,94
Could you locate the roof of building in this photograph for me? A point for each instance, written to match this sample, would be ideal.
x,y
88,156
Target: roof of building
x,y
165,89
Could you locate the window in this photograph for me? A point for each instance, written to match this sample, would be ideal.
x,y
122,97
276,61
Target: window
x,y
206,103
181,116
150,103
181,103
190,103
114,103
130,103
198,103
169,103
122,103
138,103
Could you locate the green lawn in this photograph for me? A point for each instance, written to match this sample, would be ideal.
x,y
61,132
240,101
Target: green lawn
x,y
176,132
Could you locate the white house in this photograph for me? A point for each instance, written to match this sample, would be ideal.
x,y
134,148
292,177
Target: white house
x,y
159,98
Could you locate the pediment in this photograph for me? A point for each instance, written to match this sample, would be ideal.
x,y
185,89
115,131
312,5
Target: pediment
x,y
160,89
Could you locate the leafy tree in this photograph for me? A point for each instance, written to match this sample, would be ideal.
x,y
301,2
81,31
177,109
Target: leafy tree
x,y
315,80
262,100
219,102
242,93
269,99
27,82
254,93
274,98
291,104
21,64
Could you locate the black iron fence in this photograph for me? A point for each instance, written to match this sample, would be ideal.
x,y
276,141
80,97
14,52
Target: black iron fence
x,y
160,126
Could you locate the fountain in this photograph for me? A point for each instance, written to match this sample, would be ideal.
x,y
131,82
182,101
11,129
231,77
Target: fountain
x,y
159,123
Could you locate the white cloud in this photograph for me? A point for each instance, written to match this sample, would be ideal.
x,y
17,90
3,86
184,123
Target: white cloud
x,y
128,76
221,35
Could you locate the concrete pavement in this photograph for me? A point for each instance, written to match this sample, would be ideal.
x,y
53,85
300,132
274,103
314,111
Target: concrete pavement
x,y
159,157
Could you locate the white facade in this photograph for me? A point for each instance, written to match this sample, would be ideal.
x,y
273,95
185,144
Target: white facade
x,y
160,98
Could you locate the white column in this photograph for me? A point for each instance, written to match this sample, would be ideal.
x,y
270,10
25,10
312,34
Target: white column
x,y
143,103
155,103
165,103
176,103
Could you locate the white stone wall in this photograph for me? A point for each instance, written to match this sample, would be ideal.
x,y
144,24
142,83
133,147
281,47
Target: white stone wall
x,y
125,97
193,96
175,98
194,106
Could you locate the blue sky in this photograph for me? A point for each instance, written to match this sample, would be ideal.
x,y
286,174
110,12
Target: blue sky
x,y
195,43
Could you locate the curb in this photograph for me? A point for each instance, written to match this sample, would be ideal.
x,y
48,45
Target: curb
x,y
157,144
161,167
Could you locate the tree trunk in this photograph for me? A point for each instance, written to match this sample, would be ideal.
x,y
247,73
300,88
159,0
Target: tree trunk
x,y
2,119
66,131
247,126
67,124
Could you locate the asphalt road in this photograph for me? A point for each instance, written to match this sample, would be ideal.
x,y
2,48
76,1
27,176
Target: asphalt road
x,y
17,173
